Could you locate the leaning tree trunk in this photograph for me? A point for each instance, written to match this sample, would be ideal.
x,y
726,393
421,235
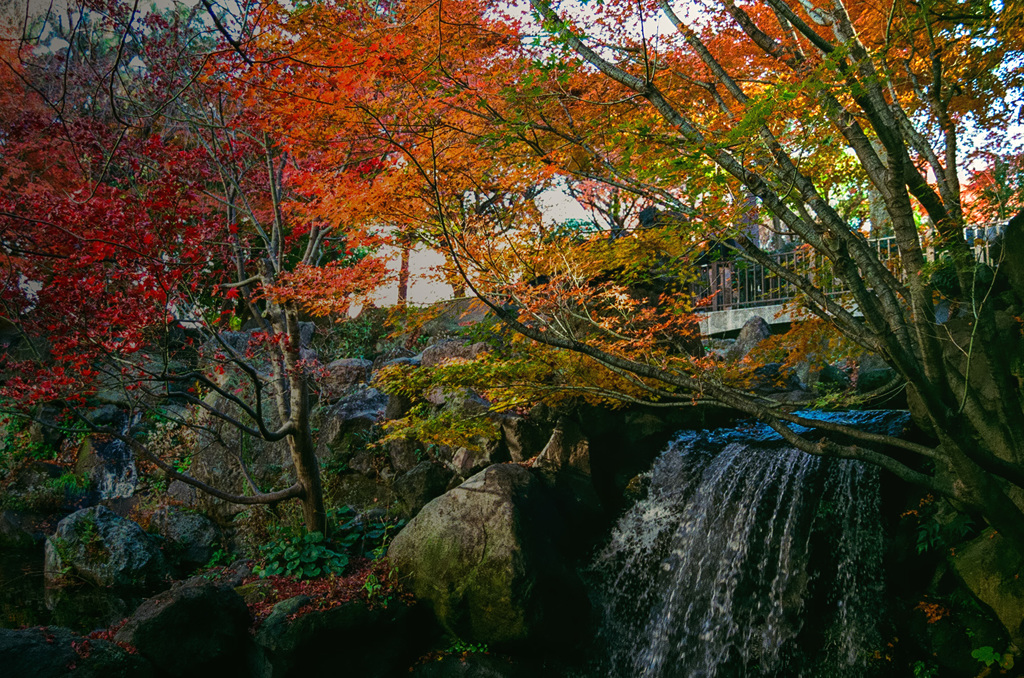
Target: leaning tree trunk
x,y
294,407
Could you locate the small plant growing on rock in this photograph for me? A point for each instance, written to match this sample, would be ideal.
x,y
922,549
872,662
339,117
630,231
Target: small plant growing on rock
x,y
220,558
363,535
988,656
464,648
381,586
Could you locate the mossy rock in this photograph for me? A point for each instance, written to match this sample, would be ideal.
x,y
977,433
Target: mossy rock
x,y
483,556
98,546
994,572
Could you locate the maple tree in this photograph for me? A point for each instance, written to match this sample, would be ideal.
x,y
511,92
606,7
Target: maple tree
x,y
444,121
142,231
835,121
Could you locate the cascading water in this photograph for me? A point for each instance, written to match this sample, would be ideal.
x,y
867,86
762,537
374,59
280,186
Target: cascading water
x,y
115,477
747,558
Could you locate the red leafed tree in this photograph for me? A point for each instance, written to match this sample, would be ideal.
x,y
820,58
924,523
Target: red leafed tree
x,y
144,221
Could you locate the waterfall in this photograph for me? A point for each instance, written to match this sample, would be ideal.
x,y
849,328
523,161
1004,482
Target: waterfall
x,y
747,558
115,476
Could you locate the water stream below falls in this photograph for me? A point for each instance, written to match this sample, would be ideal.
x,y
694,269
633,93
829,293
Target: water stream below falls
x,y
747,558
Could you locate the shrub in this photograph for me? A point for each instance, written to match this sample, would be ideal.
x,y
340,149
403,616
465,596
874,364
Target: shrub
x,y
301,557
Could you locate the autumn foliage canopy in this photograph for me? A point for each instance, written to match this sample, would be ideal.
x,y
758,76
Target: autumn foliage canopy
x,y
195,171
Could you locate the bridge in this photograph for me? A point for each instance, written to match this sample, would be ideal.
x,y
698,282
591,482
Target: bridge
x,y
739,290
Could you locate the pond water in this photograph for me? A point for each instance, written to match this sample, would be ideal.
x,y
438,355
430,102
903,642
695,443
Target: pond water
x,y
25,602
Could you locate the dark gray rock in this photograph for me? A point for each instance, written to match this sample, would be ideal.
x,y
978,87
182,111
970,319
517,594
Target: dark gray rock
x,y
367,642
183,493
404,454
832,376
20,529
523,437
196,629
753,332
873,373
774,378
398,406
346,430
420,485
340,376
366,405
100,547
105,415
395,356
191,537
55,652
215,453
564,464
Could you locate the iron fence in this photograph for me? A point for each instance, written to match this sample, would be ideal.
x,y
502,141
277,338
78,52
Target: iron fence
x,y
738,284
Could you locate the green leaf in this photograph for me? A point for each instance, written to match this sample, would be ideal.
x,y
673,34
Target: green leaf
x,y
987,655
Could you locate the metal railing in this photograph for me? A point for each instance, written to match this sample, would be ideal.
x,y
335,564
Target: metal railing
x,y
739,284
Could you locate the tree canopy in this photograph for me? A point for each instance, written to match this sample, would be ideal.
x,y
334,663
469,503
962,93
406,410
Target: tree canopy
x,y
249,165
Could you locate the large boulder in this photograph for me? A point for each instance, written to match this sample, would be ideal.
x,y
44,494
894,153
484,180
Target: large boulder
x,y
191,537
990,568
196,629
483,557
55,652
369,642
753,332
100,547
422,483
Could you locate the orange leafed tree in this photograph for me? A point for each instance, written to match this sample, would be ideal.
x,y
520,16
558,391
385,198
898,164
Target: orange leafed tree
x,y
832,121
